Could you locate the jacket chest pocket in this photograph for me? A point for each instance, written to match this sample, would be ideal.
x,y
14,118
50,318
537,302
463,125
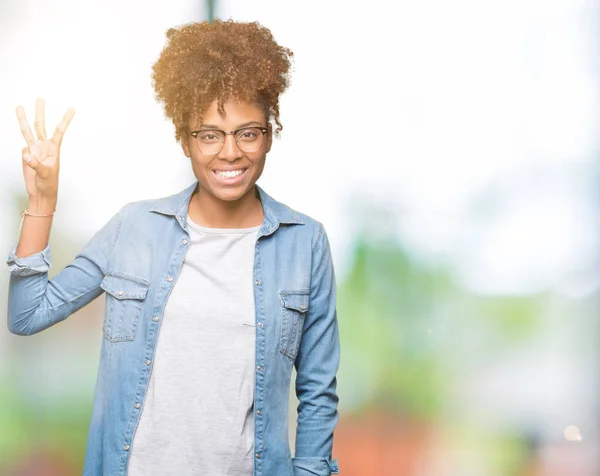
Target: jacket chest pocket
x,y
294,305
124,299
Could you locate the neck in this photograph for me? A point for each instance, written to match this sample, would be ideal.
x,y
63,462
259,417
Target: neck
x,y
207,210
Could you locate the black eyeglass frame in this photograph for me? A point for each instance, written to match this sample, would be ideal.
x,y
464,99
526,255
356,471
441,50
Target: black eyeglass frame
x,y
194,134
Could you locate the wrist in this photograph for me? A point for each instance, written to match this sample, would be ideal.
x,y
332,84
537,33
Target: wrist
x,y
42,205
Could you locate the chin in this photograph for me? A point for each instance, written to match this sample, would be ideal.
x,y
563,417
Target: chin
x,y
230,195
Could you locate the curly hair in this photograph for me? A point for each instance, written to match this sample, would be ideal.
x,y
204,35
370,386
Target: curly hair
x,y
204,62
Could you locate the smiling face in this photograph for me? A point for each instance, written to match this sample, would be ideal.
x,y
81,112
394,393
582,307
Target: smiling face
x,y
230,174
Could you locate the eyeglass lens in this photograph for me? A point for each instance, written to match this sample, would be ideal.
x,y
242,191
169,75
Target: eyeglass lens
x,y
248,139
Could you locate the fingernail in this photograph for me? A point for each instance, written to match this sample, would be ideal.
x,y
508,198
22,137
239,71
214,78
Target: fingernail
x,y
27,158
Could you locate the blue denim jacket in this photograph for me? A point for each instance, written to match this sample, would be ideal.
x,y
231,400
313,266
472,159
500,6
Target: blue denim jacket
x,y
136,258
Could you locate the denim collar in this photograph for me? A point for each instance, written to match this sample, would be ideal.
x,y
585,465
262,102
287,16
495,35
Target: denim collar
x,y
275,212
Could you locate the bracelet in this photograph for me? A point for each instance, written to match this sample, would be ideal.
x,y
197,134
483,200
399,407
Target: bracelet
x,y
25,213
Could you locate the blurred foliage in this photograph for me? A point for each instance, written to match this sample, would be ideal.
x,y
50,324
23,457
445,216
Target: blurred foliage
x,y
38,432
399,321
387,306
515,317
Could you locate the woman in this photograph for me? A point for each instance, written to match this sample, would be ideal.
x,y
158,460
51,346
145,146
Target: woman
x,y
212,294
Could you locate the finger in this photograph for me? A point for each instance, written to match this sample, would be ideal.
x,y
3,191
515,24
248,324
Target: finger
x,y
30,161
40,122
62,126
25,130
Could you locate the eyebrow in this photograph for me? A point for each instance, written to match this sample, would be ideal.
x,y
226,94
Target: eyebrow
x,y
245,124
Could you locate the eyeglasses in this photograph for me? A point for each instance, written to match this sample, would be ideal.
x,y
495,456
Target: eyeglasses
x,y
248,139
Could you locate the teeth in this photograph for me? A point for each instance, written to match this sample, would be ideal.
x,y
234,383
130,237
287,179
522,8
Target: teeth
x,y
229,174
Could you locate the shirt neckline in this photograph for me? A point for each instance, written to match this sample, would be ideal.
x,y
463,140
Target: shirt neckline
x,y
220,231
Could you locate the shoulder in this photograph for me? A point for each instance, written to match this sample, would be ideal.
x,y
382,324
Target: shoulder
x,y
169,205
283,213
312,225
303,225
139,206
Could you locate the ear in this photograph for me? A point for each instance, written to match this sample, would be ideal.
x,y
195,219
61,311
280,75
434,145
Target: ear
x,y
185,145
269,136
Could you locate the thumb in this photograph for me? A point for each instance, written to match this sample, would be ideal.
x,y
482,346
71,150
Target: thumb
x,y
32,162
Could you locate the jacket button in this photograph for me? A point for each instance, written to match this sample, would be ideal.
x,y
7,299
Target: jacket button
x,y
260,324
258,412
126,447
147,362
137,405
120,293
257,455
184,242
259,368
257,282
302,306
155,318
170,279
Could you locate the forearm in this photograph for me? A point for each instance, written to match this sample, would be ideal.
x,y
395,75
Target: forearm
x,y
317,414
25,297
35,232
317,419
35,303
317,364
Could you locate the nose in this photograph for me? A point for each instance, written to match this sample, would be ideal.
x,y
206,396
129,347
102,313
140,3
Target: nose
x,y
230,150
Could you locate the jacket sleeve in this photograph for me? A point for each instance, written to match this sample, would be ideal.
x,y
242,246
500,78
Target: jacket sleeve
x,y
36,303
316,367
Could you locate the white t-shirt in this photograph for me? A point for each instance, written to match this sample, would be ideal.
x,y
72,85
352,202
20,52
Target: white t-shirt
x,y
198,414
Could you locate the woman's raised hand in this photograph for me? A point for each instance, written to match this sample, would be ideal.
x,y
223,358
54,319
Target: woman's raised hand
x,y
41,157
